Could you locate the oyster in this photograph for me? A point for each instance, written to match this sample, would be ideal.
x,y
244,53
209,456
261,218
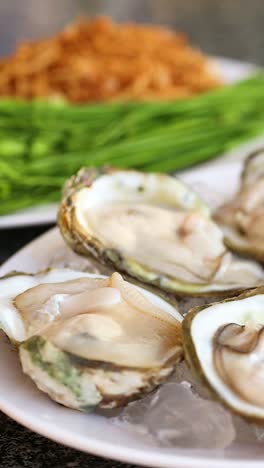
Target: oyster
x,y
224,346
152,227
242,219
90,341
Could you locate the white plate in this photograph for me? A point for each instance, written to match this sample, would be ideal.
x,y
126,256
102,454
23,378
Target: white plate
x,y
92,433
231,70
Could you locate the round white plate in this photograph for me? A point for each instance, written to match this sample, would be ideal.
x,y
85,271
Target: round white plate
x,y
231,70
93,433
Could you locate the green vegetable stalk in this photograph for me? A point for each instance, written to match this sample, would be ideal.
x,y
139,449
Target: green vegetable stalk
x,y
43,143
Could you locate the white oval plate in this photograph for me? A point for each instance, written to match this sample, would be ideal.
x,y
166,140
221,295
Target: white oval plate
x,y
94,433
231,70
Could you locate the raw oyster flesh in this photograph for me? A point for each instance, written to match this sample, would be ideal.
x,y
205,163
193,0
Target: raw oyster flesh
x,y
90,341
154,228
224,345
242,219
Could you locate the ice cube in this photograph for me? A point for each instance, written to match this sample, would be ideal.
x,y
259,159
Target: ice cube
x,y
183,373
186,303
175,417
66,258
245,431
259,432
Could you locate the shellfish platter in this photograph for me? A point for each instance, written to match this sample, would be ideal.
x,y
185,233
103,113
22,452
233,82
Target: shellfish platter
x,y
134,330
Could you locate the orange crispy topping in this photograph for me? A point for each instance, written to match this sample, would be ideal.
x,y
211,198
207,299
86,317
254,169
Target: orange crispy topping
x,y
98,60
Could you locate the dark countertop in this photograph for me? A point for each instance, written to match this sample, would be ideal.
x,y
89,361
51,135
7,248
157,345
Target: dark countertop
x,y
231,28
23,448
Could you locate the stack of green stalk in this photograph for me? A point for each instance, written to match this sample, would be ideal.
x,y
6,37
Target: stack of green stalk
x,y
44,143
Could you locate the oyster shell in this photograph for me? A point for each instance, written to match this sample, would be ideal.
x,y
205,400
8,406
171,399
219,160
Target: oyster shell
x,y
90,341
242,219
224,346
152,227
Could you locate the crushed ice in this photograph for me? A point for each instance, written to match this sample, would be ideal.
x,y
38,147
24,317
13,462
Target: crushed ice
x,y
175,417
181,414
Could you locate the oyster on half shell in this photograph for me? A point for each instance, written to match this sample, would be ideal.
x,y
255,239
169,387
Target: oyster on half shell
x,y
224,346
87,340
152,227
242,219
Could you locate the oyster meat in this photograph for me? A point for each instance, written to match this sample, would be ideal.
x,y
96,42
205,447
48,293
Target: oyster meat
x,y
242,219
90,341
224,346
152,227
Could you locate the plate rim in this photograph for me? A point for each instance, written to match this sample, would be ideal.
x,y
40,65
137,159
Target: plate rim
x,y
101,448
130,455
